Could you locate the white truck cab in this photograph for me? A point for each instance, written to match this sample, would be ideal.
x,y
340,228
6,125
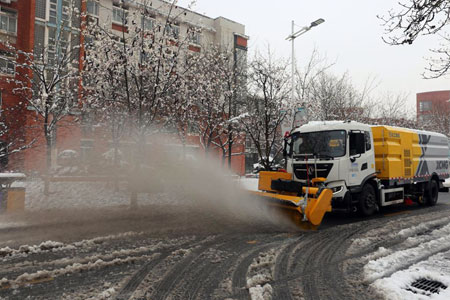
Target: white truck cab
x,y
342,152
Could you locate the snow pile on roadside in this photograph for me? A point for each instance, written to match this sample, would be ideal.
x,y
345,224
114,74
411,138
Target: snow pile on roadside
x,y
260,273
261,292
377,254
398,286
109,293
384,266
74,268
26,249
423,254
388,232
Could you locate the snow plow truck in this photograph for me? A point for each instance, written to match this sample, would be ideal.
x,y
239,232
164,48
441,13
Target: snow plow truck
x,y
350,166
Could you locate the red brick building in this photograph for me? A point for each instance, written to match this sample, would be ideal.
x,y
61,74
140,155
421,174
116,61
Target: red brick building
x,y
16,28
432,103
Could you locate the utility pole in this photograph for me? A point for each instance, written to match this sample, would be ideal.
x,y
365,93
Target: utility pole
x,y
291,38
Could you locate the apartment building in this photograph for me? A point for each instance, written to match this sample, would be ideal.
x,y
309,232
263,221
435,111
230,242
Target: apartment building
x,y
35,25
16,29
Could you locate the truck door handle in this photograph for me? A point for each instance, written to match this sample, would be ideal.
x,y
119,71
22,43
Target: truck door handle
x,y
364,167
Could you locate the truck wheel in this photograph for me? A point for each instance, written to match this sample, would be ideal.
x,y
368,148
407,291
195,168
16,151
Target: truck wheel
x,y
432,193
367,201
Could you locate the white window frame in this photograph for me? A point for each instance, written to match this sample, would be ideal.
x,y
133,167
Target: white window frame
x,y
173,31
95,7
66,14
46,12
425,105
9,14
195,37
146,20
9,68
50,10
117,11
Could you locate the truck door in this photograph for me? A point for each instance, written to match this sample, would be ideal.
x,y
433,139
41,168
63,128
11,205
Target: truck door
x,y
362,159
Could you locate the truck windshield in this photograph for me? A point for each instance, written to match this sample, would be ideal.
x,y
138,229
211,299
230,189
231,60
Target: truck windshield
x,y
320,143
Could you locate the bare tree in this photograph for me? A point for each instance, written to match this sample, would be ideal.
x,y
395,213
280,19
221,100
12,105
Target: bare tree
x,y
51,87
307,76
335,98
416,18
267,105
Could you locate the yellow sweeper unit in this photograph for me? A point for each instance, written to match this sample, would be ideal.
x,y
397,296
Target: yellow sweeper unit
x,y
305,204
350,166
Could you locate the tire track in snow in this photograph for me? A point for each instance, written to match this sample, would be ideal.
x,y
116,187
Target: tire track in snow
x,y
133,283
179,272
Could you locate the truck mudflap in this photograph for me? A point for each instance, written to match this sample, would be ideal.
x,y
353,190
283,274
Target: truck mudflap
x,y
306,207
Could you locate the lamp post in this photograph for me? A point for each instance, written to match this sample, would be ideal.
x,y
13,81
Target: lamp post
x,y
291,38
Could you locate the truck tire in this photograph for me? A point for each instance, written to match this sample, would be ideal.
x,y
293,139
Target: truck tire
x,y
367,200
432,193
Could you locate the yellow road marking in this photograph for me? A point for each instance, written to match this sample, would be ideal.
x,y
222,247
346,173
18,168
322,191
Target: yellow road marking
x,y
252,242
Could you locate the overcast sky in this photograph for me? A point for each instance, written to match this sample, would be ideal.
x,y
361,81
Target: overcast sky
x,y
351,36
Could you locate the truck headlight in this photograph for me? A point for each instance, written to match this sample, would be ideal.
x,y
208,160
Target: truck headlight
x,y
336,189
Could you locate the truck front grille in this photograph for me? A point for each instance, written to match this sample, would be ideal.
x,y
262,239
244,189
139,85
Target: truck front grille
x,y
302,172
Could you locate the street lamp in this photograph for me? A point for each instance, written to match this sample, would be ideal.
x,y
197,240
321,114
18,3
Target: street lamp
x,y
292,37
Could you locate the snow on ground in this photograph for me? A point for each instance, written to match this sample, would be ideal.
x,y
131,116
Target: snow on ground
x,y
7,253
389,232
397,286
260,273
424,253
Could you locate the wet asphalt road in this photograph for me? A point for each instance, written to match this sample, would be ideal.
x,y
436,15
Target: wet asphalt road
x,y
193,256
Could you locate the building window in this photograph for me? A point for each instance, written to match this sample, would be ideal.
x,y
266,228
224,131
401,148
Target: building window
x,y
195,37
425,106
41,9
148,23
92,7
39,41
51,48
65,13
76,15
7,66
53,11
120,15
8,20
173,31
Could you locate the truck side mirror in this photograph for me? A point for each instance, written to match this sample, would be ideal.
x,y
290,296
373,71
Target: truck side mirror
x,y
287,145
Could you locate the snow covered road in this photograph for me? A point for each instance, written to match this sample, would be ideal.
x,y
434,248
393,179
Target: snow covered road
x,y
155,253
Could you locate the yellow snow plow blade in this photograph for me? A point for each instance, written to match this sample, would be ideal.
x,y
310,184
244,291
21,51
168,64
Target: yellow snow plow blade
x,y
308,205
